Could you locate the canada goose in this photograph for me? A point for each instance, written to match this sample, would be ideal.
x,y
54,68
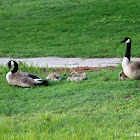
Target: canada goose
x,y
22,79
53,77
75,76
122,76
130,69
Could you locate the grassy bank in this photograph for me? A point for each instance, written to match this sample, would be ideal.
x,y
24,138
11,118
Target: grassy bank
x,y
100,108
68,28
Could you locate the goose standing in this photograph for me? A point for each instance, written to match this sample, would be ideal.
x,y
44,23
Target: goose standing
x,y
130,69
22,79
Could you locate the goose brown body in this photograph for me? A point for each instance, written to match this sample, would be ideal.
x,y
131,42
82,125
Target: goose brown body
x,y
20,79
133,71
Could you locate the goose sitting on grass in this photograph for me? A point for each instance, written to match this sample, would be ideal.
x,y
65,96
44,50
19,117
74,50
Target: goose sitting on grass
x,y
53,77
22,79
78,77
122,76
130,69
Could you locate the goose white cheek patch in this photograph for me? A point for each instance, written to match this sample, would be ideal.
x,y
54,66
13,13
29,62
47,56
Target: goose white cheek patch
x,y
127,41
12,63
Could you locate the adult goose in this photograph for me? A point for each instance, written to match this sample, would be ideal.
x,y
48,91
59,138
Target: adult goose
x,y
22,79
130,69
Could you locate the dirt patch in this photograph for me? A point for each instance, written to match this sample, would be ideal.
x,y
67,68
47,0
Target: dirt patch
x,y
78,69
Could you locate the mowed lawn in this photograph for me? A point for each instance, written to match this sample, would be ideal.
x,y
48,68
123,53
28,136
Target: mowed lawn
x,y
68,28
101,107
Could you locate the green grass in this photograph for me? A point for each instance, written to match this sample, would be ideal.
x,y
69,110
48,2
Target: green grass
x,y
100,108
68,28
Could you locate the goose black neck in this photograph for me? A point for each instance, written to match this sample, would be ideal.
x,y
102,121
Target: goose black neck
x,y
128,50
15,68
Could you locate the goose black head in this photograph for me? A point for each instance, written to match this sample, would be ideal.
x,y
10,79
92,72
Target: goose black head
x,y
126,40
12,63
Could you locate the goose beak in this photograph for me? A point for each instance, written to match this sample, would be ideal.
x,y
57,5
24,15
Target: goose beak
x,y
122,41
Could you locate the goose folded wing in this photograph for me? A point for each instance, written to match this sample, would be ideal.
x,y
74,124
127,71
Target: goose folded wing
x,y
135,66
21,80
29,75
